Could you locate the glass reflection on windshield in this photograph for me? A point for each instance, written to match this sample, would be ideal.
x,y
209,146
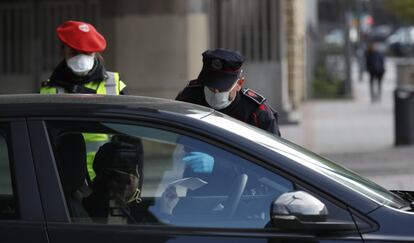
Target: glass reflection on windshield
x,y
308,159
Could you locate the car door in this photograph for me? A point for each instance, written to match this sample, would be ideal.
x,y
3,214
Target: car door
x,y
21,215
226,198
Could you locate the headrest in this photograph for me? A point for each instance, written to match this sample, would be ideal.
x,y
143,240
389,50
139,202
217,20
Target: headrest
x,y
118,155
71,161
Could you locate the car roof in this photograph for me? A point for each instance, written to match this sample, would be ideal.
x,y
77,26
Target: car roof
x,y
182,114
38,104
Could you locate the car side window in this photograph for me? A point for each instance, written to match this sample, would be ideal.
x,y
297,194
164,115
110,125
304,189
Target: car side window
x,y
151,176
207,186
8,208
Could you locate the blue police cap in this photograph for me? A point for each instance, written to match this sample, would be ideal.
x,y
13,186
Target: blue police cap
x,y
221,68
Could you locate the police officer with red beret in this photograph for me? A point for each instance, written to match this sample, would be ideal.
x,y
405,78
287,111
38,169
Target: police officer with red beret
x,y
220,86
82,69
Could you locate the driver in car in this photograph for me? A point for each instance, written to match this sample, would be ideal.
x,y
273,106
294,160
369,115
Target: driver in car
x,y
116,183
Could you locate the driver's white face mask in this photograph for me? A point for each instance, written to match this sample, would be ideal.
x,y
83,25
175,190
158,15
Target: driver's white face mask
x,y
219,100
81,64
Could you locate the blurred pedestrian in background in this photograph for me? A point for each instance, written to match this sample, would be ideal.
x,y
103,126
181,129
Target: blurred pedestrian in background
x,y
82,71
374,60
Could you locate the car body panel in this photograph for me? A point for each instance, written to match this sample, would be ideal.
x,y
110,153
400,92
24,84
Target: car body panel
x,y
30,226
46,219
33,105
110,233
47,174
393,222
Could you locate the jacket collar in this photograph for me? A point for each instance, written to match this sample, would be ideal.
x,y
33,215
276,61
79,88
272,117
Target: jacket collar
x,y
63,75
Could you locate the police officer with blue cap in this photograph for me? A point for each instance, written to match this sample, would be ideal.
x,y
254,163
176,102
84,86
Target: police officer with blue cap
x,y
220,86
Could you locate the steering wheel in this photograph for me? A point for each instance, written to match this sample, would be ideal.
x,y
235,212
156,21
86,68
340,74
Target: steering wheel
x,y
235,196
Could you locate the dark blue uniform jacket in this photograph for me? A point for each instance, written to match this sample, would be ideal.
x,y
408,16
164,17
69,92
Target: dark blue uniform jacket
x,y
249,106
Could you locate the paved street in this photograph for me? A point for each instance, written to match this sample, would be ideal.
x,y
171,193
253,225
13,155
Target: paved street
x,y
358,134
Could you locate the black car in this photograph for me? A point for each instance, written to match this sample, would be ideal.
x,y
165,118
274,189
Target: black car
x,y
167,171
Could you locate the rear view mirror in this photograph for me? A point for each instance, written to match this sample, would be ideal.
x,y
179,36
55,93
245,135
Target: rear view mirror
x,y
299,211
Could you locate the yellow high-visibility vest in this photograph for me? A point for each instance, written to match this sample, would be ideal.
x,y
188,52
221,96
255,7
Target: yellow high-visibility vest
x,y
111,86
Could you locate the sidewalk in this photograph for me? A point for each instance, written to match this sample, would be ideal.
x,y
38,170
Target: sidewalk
x,y
358,134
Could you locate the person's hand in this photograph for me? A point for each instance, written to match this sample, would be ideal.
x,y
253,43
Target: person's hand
x,y
199,162
169,200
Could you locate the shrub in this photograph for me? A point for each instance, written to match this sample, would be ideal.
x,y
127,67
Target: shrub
x,y
325,85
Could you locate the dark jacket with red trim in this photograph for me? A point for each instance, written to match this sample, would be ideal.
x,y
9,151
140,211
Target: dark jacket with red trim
x,y
248,106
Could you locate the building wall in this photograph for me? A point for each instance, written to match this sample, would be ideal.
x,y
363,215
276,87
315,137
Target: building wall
x,y
256,29
312,37
156,45
296,54
29,47
157,48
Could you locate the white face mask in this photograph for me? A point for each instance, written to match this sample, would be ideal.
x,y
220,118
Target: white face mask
x,y
81,64
218,100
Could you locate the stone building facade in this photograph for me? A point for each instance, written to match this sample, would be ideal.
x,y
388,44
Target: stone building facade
x,y
156,45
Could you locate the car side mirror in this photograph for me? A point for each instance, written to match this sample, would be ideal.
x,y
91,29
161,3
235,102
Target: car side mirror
x,y
299,211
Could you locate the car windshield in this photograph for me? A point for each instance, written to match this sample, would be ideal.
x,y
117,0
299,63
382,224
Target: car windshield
x,y
311,160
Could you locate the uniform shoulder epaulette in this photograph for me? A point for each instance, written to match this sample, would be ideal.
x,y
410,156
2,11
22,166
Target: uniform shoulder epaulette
x,y
194,83
253,95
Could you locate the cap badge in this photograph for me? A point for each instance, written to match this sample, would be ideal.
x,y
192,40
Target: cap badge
x,y
84,28
217,64
252,94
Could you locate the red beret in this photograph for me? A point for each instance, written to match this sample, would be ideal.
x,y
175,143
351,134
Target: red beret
x,y
81,36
